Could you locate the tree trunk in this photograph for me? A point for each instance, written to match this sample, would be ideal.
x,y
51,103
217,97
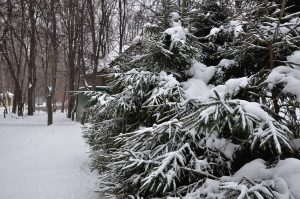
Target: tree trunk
x,y
122,25
71,85
94,42
31,65
49,110
53,65
14,107
166,14
184,12
72,34
64,98
18,103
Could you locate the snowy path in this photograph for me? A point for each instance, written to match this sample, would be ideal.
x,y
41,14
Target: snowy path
x,y
40,162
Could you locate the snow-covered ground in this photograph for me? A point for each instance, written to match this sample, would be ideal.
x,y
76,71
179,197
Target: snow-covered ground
x,y
41,162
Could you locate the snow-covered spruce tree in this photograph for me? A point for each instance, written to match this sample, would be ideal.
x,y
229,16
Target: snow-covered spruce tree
x,y
145,93
261,81
264,35
171,126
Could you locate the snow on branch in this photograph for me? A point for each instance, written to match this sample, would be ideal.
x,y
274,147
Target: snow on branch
x,y
239,116
288,78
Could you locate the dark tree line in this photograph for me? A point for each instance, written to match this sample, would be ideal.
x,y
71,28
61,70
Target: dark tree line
x,y
40,39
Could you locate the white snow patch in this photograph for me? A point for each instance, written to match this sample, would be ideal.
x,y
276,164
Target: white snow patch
x,y
255,169
137,39
213,32
196,87
295,59
234,85
237,27
39,161
285,174
168,80
254,109
296,22
177,33
150,25
201,71
238,30
289,77
226,63
284,30
175,16
231,87
221,144
283,178
220,90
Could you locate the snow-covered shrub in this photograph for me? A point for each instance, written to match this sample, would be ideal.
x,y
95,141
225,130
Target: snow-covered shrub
x,y
253,180
188,108
131,127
